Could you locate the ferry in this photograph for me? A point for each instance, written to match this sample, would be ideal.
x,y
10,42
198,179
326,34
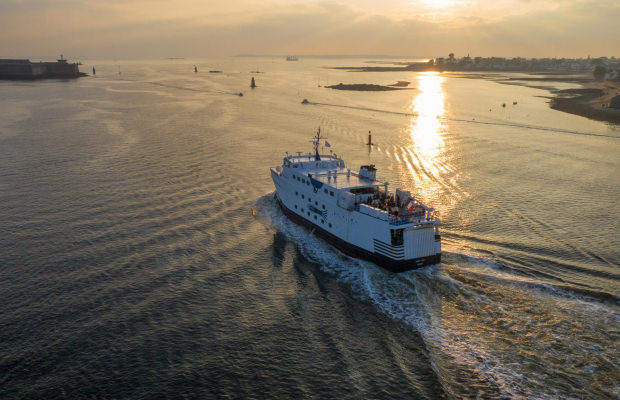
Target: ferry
x,y
355,212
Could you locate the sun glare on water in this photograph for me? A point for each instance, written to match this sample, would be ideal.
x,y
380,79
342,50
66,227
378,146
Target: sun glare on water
x,y
426,130
428,105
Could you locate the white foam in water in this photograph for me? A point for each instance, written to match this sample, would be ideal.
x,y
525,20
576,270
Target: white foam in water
x,y
432,302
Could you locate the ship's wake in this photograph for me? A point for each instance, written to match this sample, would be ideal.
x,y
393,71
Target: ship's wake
x,y
486,329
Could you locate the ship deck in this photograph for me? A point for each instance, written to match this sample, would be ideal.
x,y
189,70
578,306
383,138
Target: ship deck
x,y
340,180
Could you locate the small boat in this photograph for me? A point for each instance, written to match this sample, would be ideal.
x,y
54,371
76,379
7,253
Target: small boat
x,y
305,101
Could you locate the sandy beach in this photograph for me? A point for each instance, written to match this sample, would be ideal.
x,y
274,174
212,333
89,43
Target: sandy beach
x,y
591,101
611,89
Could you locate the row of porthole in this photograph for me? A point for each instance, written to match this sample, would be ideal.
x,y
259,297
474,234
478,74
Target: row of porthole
x,y
315,217
316,203
302,180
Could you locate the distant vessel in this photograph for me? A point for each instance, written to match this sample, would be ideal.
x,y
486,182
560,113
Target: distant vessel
x,y
292,58
355,213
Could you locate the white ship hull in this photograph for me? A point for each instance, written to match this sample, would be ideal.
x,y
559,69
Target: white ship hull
x,y
321,194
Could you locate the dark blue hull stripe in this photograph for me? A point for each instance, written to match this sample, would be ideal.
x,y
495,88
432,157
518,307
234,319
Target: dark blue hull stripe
x,y
358,252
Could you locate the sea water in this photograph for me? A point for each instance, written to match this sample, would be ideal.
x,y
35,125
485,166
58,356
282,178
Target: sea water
x,y
142,254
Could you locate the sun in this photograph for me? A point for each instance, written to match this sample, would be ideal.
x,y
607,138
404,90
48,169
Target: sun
x,y
436,4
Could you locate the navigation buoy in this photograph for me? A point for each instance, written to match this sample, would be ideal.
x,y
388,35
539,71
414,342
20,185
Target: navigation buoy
x,y
253,83
369,139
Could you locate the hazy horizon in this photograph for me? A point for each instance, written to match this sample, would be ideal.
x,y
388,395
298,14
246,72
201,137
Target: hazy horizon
x,y
151,29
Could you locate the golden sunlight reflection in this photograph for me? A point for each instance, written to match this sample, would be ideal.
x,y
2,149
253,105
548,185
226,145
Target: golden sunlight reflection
x,y
426,134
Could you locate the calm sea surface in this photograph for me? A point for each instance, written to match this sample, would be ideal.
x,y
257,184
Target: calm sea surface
x,y
131,265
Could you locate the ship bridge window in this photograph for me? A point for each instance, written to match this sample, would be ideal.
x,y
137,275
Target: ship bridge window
x,y
331,193
397,237
295,166
325,191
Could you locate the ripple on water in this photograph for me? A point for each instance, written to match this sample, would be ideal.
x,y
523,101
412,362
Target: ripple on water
x,y
489,332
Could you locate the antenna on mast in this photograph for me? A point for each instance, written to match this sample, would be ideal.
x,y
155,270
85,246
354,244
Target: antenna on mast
x,y
317,140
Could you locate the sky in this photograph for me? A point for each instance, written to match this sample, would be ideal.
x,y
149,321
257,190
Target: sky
x,y
140,29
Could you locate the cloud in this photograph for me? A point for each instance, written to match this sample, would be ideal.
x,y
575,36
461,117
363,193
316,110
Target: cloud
x,y
194,28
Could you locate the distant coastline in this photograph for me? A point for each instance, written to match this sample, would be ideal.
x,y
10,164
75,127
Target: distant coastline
x,y
599,78
451,63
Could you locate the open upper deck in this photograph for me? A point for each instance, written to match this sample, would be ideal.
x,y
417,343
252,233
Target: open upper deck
x,y
329,170
308,162
345,179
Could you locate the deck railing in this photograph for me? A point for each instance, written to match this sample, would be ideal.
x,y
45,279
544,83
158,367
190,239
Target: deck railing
x,y
397,220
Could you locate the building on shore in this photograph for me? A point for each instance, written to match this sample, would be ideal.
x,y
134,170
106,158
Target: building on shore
x,y
25,69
